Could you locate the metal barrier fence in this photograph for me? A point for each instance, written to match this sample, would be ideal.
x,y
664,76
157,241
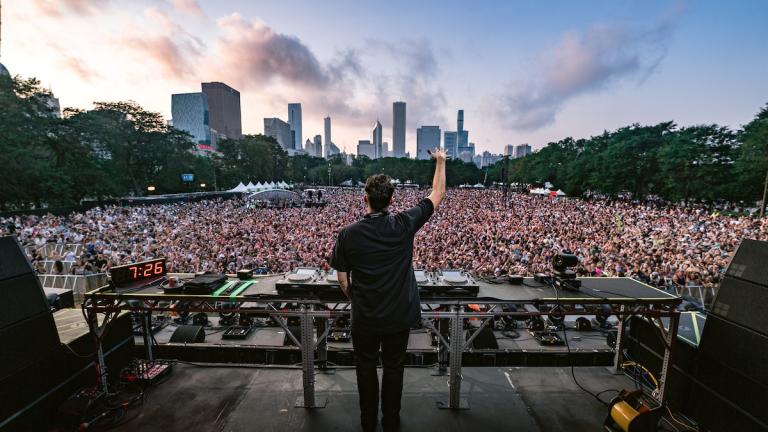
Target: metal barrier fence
x,y
47,267
79,284
705,295
49,250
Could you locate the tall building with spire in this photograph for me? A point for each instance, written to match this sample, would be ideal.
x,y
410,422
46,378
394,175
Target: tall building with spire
x,y
377,140
457,142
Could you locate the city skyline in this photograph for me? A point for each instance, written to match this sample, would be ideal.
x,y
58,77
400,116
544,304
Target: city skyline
x,y
522,74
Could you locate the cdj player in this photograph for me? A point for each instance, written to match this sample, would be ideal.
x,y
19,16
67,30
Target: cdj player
x,y
446,283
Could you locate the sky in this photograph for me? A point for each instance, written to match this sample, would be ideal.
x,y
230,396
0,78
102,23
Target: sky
x,y
523,71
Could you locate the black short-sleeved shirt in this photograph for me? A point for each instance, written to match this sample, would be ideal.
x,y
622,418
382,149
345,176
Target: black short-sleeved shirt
x,y
377,251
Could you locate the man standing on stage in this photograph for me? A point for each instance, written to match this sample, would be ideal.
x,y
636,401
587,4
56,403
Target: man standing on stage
x,y
373,257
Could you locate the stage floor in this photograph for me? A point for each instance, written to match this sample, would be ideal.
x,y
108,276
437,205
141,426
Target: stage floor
x,y
523,399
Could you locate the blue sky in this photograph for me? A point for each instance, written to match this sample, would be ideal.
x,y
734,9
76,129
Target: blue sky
x,y
523,71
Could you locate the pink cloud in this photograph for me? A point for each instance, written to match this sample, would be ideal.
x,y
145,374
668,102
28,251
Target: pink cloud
x,y
252,53
582,63
173,49
189,7
61,7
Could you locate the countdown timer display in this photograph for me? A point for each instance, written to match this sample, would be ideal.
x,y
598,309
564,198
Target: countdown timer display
x,y
138,272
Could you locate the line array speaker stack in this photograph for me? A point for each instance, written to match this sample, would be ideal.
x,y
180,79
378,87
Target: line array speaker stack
x,y
733,357
28,334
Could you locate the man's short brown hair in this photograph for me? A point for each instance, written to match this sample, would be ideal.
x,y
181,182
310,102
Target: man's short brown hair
x,y
379,189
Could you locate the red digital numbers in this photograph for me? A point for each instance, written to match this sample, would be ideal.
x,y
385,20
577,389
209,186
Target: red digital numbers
x,y
146,270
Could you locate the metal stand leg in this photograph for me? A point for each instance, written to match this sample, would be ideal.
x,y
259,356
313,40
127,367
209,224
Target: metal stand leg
x,y
618,357
308,362
442,352
454,378
322,347
146,332
101,366
671,339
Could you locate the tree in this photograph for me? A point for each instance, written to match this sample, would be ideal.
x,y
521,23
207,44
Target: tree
x,y
29,176
752,159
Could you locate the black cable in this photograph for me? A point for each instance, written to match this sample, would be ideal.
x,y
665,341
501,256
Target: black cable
x,y
511,334
570,358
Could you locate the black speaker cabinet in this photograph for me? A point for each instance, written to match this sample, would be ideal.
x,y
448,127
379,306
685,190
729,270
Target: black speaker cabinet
x,y
749,262
27,341
740,349
743,303
21,295
188,334
13,262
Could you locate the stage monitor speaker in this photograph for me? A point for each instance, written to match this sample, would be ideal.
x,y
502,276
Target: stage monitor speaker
x,y
188,334
749,262
743,303
13,261
485,340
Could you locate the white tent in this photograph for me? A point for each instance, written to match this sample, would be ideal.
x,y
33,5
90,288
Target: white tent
x,y
560,192
270,185
259,186
539,191
479,186
250,186
282,185
239,188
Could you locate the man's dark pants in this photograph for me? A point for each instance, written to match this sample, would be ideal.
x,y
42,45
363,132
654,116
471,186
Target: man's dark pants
x,y
393,347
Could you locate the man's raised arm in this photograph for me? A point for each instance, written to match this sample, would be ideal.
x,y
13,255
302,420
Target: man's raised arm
x,y
438,182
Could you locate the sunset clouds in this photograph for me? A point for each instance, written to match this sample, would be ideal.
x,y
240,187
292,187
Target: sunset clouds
x,y
522,72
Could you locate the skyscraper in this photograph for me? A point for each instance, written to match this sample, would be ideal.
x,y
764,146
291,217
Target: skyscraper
x,y
451,144
294,120
224,109
332,149
189,112
366,148
509,150
466,153
522,150
427,138
318,146
377,140
327,133
462,138
454,141
279,130
398,129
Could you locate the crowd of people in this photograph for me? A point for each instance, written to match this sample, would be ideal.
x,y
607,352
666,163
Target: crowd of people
x,y
476,230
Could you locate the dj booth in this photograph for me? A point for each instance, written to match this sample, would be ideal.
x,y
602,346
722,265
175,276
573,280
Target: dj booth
x,y
316,300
